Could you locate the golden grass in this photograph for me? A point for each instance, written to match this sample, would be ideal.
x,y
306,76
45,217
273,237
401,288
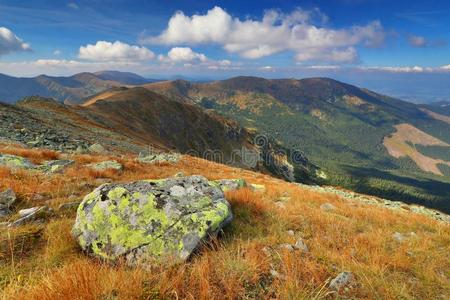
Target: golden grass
x,y
44,262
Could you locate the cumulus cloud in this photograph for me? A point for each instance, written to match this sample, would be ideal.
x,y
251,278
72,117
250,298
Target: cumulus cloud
x,y
9,42
182,54
303,32
117,51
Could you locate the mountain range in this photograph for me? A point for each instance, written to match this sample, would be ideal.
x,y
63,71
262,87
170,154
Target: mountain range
x,y
357,138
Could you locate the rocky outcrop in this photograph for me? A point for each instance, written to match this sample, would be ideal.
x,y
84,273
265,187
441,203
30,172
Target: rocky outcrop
x,y
143,221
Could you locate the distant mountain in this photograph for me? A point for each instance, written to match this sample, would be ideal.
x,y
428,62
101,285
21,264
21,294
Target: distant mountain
x,y
362,140
72,89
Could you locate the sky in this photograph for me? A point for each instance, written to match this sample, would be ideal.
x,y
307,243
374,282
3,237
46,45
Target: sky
x,y
400,47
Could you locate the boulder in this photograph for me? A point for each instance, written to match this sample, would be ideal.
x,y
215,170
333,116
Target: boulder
x,y
15,162
159,158
163,220
342,280
231,184
7,198
106,165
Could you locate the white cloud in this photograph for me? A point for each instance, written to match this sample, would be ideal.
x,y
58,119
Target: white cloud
x,y
57,52
182,54
9,42
117,51
276,32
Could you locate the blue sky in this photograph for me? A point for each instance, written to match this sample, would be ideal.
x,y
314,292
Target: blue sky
x,y
226,38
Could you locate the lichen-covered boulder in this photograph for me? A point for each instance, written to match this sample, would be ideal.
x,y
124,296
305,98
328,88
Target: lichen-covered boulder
x,y
163,220
7,199
15,162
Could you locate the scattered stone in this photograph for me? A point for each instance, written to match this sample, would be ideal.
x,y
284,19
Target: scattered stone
x,y
342,280
327,207
69,206
7,199
159,158
15,162
106,165
31,214
179,174
149,220
275,274
97,148
231,184
300,245
290,232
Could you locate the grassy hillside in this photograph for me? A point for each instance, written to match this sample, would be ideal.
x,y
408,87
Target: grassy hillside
x,y
248,261
341,128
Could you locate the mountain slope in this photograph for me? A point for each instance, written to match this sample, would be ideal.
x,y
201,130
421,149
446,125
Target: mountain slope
x,y
71,89
340,127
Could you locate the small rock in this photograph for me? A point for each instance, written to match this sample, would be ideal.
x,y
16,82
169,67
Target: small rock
x,y
267,251
275,273
31,214
342,280
327,207
300,245
69,206
7,199
106,165
179,174
97,148
290,232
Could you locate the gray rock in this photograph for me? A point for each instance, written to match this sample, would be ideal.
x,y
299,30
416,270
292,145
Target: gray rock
x,y
342,280
7,199
30,215
328,207
97,148
290,232
300,245
15,162
143,221
106,165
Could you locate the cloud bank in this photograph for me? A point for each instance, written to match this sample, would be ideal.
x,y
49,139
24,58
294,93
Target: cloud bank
x,y
302,32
